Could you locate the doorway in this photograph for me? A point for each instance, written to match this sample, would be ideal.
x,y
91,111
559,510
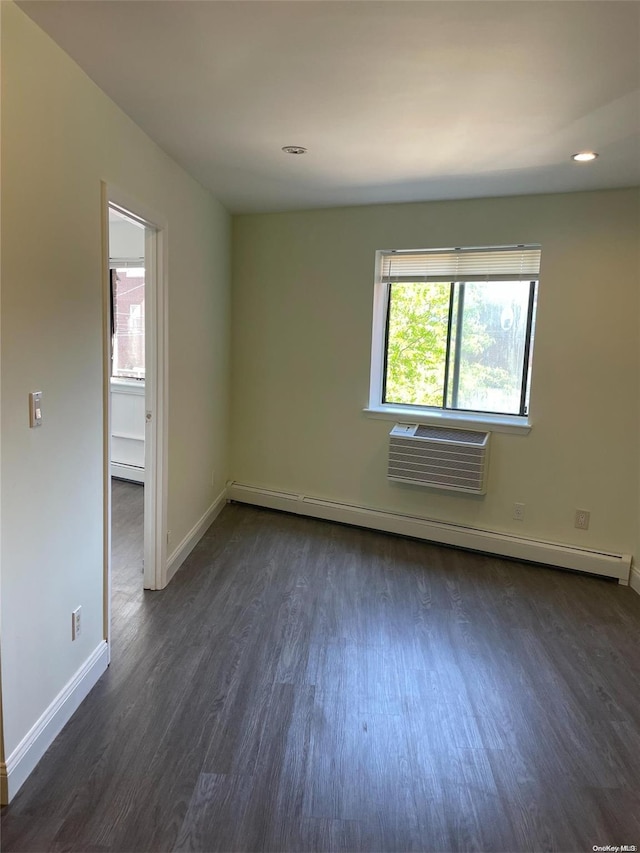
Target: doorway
x,y
127,293
134,395
127,324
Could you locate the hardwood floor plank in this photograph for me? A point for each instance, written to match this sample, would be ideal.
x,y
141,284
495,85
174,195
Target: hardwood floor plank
x,y
289,803
330,836
216,811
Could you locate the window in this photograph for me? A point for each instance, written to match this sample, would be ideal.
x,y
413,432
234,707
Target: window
x,y
127,299
453,329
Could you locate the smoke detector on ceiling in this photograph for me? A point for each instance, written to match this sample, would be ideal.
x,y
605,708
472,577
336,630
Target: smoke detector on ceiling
x,y
294,149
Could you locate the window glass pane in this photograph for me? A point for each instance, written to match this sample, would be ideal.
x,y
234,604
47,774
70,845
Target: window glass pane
x,y
128,339
489,334
417,343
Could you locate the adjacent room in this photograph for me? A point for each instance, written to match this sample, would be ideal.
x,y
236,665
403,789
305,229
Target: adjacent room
x,y
320,446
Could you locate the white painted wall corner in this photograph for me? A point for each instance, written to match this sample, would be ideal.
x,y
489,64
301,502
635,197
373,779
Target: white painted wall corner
x,y
634,579
182,551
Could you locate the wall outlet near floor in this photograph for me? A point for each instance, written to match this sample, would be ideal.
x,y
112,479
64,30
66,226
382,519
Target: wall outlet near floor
x,y
76,623
582,519
518,512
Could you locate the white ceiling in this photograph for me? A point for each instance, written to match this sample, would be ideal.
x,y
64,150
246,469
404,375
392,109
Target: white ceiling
x,y
395,100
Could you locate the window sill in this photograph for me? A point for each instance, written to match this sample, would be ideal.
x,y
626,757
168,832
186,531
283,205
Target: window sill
x,y
495,423
128,386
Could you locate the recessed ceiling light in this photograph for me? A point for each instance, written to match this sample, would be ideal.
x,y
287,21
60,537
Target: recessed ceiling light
x,y
294,149
584,156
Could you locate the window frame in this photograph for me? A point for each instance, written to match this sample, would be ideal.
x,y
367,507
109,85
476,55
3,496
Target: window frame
x,y
444,416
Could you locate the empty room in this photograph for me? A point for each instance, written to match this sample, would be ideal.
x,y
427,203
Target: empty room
x,y
320,426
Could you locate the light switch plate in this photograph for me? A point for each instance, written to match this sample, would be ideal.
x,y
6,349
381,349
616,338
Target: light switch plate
x,y
35,409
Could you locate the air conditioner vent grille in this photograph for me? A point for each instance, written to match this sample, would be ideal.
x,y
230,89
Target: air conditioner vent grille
x,y
445,434
451,459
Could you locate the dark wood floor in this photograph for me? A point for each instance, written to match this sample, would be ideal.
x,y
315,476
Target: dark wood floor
x,y
127,540
303,686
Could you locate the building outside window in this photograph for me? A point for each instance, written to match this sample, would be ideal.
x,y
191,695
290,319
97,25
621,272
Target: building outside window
x,y
128,323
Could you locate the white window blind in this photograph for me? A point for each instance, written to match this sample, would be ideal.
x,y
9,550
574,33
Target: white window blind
x,y
497,263
126,263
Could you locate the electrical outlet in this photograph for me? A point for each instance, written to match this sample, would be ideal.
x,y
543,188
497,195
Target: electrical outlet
x,y
76,623
518,512
582,519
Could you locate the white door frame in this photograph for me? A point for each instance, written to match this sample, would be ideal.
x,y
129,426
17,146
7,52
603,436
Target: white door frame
x,y
156,397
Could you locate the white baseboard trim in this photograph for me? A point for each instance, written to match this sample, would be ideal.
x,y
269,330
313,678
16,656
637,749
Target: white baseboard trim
x,y
634,579
180,554
127,472
39,738
501,544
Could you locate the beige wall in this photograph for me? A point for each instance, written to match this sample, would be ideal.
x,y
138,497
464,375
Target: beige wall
x,y
60,137
302,308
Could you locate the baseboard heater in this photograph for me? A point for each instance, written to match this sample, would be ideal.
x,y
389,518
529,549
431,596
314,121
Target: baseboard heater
x,y
439,457
127,472
606,564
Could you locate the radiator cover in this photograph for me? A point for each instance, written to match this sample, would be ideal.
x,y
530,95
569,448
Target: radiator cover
x,y
439,457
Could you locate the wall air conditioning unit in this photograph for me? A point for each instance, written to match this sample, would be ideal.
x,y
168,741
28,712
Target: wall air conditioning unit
x,y
439,457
